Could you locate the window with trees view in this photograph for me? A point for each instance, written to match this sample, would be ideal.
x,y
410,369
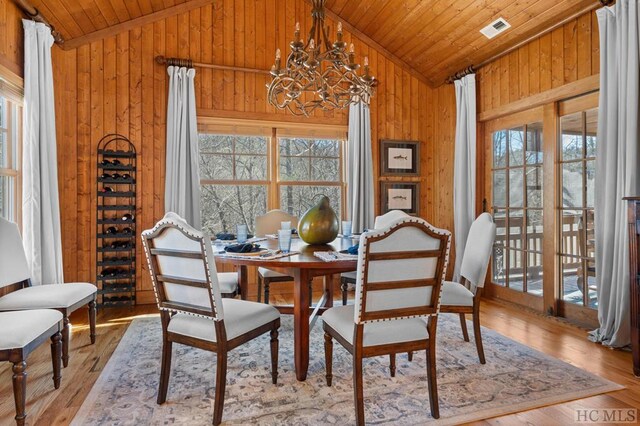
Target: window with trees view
x,y
577,250
245,175
517,207
10,122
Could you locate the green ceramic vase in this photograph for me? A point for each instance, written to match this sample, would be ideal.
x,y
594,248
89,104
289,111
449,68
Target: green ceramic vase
x,y
319,224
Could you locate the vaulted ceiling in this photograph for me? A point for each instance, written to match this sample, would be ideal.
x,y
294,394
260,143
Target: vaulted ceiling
x,y
434,37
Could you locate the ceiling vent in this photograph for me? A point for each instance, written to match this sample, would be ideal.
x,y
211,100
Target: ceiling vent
x,y
495,28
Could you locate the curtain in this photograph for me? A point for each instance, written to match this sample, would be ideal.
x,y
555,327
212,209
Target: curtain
x,y
40,202
182,182
617,161
464,168
360,191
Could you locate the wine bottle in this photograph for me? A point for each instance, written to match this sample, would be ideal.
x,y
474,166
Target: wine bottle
x,y
106,189
127,230
111,230
105,176
127,218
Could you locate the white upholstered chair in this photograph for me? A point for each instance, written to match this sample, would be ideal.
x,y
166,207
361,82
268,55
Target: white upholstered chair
x,y
269,223
193,313
20,333
380,222
464,298
400,273
18,294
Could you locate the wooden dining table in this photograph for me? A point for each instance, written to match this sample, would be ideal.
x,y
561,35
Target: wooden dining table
x,y
303,267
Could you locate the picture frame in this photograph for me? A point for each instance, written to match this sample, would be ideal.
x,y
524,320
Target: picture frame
x,y
404,196
399,158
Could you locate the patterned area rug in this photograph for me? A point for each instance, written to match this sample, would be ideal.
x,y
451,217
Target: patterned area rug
x,y
515,378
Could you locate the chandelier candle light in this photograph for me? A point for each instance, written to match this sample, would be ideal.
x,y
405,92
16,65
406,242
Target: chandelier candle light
x,y
319,74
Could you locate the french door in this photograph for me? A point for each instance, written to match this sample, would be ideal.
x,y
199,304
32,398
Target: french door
x,y
539,178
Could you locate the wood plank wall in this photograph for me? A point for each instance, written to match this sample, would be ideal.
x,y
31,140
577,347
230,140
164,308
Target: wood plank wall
x,y
565,55
114,85
11,38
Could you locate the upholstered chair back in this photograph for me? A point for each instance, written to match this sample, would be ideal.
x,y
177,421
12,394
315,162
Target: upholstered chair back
x,y
385,220
182,268
477,252
269,223
400,270
13,262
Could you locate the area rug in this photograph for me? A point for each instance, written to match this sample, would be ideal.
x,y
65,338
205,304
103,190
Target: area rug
x,y
515,378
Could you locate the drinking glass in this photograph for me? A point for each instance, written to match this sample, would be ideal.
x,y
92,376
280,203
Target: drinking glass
x,y
346,228
284,240
242,233
285,225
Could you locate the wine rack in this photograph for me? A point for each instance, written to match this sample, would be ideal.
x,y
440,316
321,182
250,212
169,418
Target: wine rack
x,y
116,222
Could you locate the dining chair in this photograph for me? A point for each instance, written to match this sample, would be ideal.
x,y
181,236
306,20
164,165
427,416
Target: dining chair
x,y
269,223
17,293
463,297
20,333
399,277
192,311
382,221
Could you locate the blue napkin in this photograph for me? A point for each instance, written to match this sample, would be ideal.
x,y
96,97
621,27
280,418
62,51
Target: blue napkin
x,y
225,236
353,249
242,248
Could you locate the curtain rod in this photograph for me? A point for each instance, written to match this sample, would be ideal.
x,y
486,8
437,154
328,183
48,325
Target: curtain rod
x,y
473,68
35,15
182,62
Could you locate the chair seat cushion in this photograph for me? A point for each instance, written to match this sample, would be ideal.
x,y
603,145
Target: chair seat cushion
x,y
349,275
455,294
50,296
340,319
228,282
240,317
19,328
268,273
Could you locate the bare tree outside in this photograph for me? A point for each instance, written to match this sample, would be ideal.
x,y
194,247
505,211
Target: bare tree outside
x,y
235,177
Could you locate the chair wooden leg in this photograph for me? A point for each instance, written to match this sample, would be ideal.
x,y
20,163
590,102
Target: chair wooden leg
x,y
357,388
274,355
392,365
431,370
56,358
66,337
221,381
344,285
410,356
20,390
165,370
259,288
92,321
463,324
328,357
267,282
476,331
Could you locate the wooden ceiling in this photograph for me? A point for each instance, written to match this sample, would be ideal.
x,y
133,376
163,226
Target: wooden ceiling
x,y
434,37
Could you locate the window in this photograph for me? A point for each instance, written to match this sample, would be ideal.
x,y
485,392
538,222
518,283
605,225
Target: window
x,y
10,126
517,208
244,172
577,186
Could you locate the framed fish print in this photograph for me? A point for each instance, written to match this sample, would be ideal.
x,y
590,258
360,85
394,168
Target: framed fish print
x,y
403,196
399,158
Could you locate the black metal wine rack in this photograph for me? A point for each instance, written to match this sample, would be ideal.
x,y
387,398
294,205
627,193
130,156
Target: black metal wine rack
x,y
116,222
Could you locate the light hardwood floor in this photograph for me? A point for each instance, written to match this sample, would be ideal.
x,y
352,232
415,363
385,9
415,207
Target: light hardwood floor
x,y
46,406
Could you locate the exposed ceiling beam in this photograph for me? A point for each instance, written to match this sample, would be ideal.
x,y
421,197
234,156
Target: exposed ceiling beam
x,y
133,23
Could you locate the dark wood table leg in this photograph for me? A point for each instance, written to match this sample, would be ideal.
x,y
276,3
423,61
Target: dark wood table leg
x,y
301,322
243,281
328,290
